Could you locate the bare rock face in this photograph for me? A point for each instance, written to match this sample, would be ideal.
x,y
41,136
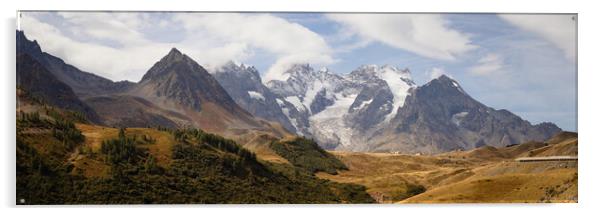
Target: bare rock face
x,y
245,86
179,79
371,106
440,116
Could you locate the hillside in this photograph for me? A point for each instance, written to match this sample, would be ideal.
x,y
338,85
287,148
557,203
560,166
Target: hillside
x,y
61,161
42,85
308,155
130,111
486,174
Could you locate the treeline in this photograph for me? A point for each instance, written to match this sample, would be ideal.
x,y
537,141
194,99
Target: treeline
x,y
204,168
119,150
307,154
62,129
215,141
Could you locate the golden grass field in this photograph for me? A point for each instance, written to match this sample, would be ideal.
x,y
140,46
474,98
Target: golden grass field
x,y
92,166
485,174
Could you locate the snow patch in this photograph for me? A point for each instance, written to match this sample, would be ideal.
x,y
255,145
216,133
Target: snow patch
x,y
458,117
280,102
296,102
457,86
256,95
364,103
398,87
292,120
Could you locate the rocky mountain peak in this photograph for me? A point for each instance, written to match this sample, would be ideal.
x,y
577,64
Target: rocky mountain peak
x,y
179,78
237,71
174,53
370,73
324,69
301,67
231,66
445,83
24,45
174,58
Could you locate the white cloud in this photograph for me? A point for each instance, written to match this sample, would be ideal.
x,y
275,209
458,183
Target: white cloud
x,y
436,72
427,35
126,62
488,64
210,38
560,30
290,42
117,27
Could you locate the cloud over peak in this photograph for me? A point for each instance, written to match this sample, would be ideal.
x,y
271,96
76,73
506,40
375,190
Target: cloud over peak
x,y
116,44
290,42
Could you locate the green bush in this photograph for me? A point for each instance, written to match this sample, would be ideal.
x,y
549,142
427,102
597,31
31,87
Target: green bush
x,y
205,168
120,150
308,155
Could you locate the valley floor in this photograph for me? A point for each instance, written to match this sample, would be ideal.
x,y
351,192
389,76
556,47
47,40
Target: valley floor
x,y
486,174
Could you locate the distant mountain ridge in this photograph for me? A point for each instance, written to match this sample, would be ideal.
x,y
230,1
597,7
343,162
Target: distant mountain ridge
x,y
380,108
373,108
176,92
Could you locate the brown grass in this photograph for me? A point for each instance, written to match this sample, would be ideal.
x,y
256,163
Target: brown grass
x,y
161,149
486,174
505,188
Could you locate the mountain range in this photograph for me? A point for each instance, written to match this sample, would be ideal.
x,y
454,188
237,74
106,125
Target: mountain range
x,y
373,108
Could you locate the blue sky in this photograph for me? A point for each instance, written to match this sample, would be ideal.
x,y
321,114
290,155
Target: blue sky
x,y
523,63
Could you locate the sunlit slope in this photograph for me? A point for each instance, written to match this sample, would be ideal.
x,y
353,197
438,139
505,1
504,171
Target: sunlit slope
x,y
63,159
485,174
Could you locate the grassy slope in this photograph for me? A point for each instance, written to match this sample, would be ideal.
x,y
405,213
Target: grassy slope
x,y
308,155
513,187
390,177
161,149
249,182
486,174
184,169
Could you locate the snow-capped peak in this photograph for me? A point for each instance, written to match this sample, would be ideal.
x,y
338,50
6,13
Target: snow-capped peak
x,y
398,80
323,70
